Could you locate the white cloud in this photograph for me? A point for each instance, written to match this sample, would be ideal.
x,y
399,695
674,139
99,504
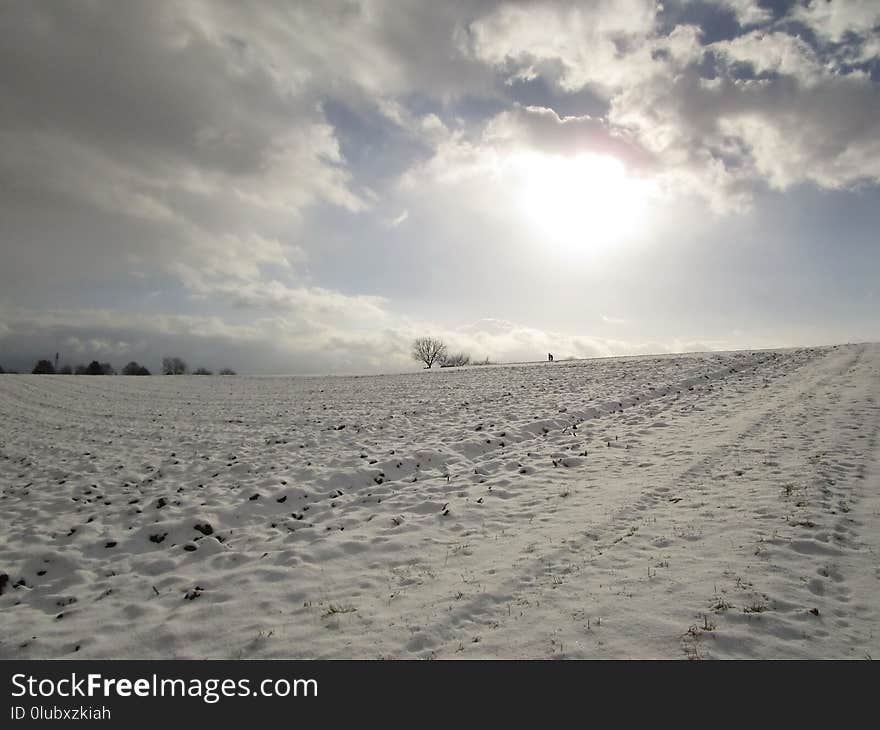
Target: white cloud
x,y
718,138
505,341
582,41
491,157
773,52
747,12
543,130
398,220
613,320
834,20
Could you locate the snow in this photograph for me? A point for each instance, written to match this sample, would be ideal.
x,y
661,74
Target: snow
x,y
718,505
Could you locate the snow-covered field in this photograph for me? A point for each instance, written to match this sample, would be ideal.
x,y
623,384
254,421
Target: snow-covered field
x,y
705,506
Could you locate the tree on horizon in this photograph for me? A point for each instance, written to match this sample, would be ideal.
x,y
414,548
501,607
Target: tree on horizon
x,y
174,366
97,368
428,350
134,368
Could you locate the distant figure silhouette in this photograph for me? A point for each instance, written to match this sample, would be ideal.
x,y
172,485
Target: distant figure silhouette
x,y
550,357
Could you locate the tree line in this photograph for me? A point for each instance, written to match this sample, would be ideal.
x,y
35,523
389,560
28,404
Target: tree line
x,y
176,366
170,366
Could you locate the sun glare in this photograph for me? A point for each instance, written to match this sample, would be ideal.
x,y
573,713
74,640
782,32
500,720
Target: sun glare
x,y
587,201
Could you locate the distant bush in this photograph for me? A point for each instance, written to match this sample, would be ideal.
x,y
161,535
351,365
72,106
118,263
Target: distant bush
x,y
134,368
43,367
2,370
174,366
482,362
66,370
202,371
454,360
227,371
95,368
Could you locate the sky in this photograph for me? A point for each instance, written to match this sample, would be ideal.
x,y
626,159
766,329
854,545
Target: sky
x,y
304,187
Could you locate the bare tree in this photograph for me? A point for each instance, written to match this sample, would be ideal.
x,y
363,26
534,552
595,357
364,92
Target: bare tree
x,y
428,350
454,360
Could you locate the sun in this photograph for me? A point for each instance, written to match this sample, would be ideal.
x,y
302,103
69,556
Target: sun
x,y
582,201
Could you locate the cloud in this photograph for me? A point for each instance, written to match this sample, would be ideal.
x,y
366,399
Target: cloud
x,y
271,343
833,21
543,130
177,147
828,136
746,12
203,126
613,320
505,341
340,342
398,220
777,53
491,155
98,347
578,44
721,118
